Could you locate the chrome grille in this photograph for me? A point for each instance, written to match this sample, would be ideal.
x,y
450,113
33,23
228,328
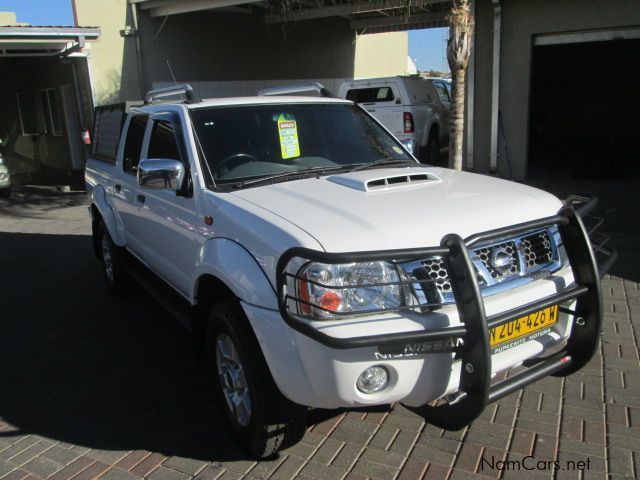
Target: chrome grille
x,y
487,254
437,271
497,264
537,249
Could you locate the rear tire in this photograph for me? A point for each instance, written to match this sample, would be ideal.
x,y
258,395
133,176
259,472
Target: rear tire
x,y
262,419
430,153
111,257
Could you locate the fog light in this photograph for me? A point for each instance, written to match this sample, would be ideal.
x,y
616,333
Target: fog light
x,y
373,379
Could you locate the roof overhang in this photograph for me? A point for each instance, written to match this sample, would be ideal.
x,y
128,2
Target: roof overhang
x,y
163,8
370,16
28,41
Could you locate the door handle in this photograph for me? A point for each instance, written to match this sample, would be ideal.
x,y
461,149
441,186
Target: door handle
x,y
141,198
118,188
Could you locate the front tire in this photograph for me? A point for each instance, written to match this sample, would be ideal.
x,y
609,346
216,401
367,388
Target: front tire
x,y
262,419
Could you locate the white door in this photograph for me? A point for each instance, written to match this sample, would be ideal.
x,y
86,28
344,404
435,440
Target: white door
x,y
166,219
125,190
443,91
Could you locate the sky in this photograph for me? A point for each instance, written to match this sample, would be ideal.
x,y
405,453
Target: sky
x,y
40,12
426,48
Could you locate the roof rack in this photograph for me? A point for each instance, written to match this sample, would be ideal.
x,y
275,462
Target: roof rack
x,y
296,88
178,89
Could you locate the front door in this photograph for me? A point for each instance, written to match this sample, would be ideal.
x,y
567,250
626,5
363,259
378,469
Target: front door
x,y
168,219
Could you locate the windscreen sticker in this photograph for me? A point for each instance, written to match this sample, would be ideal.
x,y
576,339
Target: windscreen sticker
x,y
288,134
397,149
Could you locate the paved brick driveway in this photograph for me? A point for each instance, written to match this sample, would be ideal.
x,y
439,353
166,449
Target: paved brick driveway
x,y
93,385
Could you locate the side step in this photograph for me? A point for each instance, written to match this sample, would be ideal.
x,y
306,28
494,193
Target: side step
x,y
160,291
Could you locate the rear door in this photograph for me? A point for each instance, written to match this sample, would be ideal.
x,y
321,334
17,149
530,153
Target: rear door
x,y
383,101
443,91
420,105
125,188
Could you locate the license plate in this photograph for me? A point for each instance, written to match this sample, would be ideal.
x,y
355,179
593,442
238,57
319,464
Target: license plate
x,y
523,326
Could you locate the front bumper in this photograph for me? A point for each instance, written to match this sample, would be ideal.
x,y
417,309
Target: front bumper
x,y
330,360
313,374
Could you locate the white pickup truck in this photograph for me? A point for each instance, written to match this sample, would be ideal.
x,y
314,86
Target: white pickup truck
x,y
320,265
415,110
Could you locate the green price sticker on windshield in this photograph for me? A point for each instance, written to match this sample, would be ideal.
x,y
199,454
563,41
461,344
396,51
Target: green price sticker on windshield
x,y
288,134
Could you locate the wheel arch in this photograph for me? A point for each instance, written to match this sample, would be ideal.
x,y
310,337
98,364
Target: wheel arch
x,y
432,126
96,218
226,270
232,265
209,290
435,130
102,211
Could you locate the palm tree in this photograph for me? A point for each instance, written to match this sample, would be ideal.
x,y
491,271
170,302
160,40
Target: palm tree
x,y
458,48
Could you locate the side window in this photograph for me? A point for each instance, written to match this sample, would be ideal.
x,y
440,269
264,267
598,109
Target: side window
x,y
163,143
371,95
442,92
31,118
133,143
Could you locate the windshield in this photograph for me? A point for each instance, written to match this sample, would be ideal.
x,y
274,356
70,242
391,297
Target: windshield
x,y
254,141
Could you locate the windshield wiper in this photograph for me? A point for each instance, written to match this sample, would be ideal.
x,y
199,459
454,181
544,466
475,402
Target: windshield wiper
x,y
303,172
384,161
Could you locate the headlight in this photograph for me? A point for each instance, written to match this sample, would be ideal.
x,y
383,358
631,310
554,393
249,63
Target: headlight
x,y
3,176
326,289
409,145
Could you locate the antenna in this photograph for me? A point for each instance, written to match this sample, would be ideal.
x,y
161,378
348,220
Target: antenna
x,y
174,79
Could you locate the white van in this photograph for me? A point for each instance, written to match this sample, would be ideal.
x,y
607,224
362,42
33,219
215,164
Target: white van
x,y
414,109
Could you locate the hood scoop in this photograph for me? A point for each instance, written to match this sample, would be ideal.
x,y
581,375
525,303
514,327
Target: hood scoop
x,y
379,183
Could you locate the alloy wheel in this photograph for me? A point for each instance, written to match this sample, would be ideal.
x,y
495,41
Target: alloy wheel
x,y
233,380
107,259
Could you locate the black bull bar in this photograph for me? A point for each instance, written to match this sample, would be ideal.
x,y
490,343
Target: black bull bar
x,y
584,247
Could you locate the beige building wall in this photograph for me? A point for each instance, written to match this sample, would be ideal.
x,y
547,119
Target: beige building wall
x,y
205,47
107,54
381,55
9,19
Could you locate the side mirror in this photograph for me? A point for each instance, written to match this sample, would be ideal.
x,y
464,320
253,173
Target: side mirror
x,y
161,174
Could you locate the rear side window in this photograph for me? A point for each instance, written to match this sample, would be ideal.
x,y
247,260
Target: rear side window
x,y
442,91
371,95
163,143
107,128
133,143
